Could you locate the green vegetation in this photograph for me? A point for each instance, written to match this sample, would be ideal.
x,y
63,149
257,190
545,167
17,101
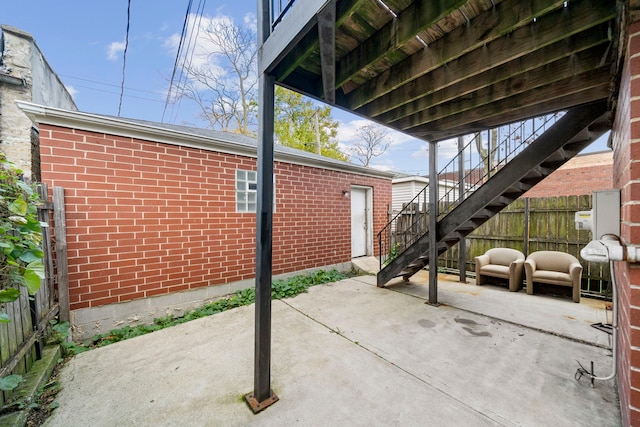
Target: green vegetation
x,y
296,122
280,289
394,251
20,236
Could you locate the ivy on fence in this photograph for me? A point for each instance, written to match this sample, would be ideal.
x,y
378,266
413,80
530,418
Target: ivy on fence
x,y
20,236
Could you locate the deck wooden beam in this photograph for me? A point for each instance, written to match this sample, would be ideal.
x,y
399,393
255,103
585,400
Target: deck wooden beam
x,y
452,81
444,130
327,36
578,68
307,45
419,16
511,28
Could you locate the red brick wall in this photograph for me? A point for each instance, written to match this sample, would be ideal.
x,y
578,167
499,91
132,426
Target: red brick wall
x,y
146,218
626,144
583,174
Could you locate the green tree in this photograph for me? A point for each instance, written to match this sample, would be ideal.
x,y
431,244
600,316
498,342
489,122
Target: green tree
x,y
300,124
222,81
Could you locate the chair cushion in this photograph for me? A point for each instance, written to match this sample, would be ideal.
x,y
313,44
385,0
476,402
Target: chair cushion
x,y
552,277
553,261
495,271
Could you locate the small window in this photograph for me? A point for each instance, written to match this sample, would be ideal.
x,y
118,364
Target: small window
x,y
246,191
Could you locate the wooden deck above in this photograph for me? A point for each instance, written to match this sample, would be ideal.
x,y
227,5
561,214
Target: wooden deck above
x,y
441,68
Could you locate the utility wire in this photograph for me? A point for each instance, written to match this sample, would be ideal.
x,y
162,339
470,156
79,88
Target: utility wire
x,y
175,64
187,58
159,101
128,88
124,56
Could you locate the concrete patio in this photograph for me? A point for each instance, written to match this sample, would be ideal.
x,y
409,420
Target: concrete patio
x,y
350,353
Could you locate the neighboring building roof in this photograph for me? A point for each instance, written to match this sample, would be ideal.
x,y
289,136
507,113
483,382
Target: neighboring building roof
x,y
411,178
206,139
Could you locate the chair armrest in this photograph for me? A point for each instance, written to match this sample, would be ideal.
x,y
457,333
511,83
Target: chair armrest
x,y
575,271
482,260
516,266
530,265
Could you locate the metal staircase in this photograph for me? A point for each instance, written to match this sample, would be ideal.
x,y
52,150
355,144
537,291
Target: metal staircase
x,y
529,153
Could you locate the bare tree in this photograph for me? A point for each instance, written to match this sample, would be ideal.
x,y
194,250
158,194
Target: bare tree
x,y
222,80
373,142
488,153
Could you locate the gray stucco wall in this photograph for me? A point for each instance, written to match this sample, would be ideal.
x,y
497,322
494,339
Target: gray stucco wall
x,y
24,75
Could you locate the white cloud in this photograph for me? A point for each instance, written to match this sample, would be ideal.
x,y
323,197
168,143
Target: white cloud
x,y
448,149
113,49
422,152
251,21
347,130
201,50
72,91
347,133
171,43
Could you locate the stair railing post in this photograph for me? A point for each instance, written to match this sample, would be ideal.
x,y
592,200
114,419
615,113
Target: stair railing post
x,y
433,222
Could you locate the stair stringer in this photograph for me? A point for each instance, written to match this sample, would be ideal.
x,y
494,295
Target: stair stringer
x,y
573,132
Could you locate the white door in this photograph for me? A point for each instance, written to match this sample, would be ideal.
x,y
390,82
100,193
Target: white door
x,y
359,223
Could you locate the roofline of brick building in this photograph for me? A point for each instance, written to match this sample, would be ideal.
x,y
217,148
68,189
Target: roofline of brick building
x,y
205,139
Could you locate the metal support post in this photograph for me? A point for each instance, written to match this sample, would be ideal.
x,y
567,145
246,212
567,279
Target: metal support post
x,y
462,243
262,395
433,223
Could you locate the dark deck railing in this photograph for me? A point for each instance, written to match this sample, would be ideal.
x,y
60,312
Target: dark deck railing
x,y
279,8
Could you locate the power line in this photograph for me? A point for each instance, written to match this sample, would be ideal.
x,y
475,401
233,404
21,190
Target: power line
x,y
128,88
124,56
188,57
116,93
175,64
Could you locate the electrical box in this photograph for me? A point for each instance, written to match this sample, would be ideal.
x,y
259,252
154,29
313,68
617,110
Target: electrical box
x,y
605,213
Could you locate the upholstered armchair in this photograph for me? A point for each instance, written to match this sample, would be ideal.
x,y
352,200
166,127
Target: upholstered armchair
x,y
556,268
503,263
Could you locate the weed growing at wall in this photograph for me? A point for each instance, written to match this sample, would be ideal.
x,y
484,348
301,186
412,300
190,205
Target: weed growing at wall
x,y
20,236
280,289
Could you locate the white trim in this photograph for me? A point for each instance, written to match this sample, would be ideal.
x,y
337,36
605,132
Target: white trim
x,y
222,142
368,202
412,178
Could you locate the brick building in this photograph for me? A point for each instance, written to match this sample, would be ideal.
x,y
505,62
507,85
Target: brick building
x,y
583,174
162,217
625,138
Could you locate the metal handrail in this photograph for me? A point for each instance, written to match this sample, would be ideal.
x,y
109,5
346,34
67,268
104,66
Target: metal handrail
x,y
411,222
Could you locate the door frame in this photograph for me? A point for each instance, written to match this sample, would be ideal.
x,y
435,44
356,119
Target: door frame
x,y
368,197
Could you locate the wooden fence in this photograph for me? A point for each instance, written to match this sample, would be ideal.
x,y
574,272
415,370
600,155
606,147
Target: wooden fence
x,y
23,338
536,224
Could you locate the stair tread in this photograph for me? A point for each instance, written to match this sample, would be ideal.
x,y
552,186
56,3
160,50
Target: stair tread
x,y
456,223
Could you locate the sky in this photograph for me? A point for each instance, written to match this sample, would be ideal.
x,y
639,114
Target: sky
x,y
84,41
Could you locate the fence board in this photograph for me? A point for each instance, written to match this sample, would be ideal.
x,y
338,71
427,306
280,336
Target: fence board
x,y
59,220
20,340
548,224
